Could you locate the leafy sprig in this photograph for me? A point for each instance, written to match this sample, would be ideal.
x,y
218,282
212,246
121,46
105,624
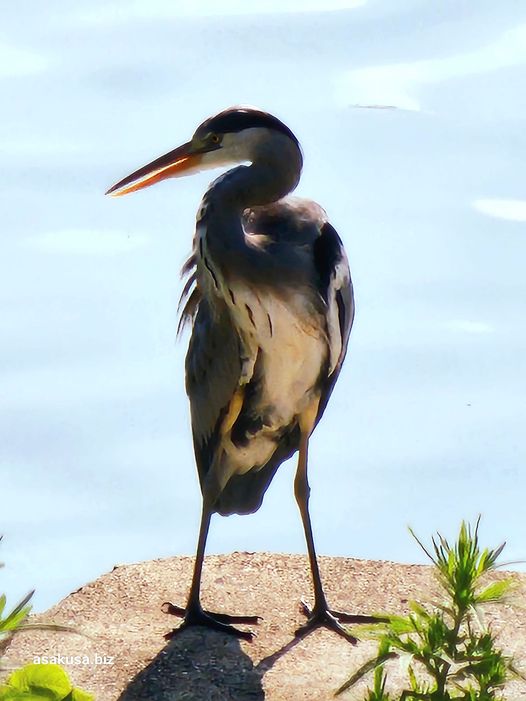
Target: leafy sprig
x,y
451,654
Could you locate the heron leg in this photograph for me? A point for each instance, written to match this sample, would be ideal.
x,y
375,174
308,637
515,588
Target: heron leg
x,y
320,614
193,614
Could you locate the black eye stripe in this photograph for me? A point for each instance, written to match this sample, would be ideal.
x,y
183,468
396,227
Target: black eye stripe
x,y
235,120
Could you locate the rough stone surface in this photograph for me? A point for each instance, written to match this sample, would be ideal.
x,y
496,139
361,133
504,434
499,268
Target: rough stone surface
x,y
123,656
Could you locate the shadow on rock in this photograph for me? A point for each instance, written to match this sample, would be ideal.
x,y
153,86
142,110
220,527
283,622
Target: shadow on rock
x,y
198,665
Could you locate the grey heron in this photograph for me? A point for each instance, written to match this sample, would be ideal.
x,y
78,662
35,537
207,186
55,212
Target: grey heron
x,y
270,301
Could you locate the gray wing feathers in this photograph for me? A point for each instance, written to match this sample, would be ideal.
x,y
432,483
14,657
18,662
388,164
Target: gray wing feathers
x,y
340,313
335,287
213,369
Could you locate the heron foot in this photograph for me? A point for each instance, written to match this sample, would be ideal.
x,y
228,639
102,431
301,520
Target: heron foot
x,y
322,616
196,616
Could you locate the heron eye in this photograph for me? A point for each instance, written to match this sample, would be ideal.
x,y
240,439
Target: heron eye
x,y
214,138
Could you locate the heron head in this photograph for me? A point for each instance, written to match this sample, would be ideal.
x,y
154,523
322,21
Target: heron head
x,y
236,135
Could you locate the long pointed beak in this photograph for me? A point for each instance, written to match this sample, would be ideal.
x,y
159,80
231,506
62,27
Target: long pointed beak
x,y
181,161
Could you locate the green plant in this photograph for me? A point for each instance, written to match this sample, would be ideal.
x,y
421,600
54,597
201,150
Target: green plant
x,y
33,682
451,654
14,620
41,682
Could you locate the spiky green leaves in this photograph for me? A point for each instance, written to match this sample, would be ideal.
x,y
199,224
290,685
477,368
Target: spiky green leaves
x,y
450,654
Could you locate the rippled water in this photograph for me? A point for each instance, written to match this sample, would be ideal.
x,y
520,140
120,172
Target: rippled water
x,y
411,115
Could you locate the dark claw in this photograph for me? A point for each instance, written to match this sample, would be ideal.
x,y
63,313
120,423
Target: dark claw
x,y
216,621
172,609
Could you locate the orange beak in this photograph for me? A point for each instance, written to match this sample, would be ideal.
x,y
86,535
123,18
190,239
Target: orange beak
x,y
181,161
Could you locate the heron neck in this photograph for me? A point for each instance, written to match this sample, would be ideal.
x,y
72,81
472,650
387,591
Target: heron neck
x,y
271,175
269,178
